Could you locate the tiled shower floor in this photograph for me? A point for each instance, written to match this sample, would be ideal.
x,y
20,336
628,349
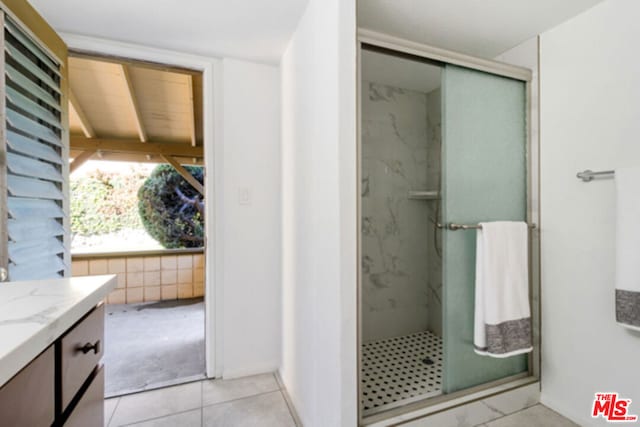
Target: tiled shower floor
x,y
394,372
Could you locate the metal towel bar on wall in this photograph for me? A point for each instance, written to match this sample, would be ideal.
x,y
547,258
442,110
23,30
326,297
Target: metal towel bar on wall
x,y
589,175
452,226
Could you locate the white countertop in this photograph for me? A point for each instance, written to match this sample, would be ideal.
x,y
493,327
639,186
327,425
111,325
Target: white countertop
x,y
33,314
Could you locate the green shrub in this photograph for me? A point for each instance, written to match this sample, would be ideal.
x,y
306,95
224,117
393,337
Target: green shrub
x,y
171,210
103,203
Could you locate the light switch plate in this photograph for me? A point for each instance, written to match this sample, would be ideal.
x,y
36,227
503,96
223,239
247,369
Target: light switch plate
x,y
244,196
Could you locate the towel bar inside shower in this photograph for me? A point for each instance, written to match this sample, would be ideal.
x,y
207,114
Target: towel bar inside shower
x,y
452,226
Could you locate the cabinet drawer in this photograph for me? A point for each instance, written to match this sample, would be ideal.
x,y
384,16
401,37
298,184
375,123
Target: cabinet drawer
x,y
81,350
28,398
90,408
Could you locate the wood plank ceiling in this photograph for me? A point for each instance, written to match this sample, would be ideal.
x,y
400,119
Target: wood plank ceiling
x,y
126,111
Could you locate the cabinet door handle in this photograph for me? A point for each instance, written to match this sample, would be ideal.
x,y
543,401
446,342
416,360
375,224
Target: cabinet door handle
x,y
88,347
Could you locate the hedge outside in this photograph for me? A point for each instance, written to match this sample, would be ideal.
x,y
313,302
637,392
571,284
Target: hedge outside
x,y
103,203
171,210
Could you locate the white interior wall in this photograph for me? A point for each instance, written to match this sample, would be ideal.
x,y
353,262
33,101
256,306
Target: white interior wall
x,y
590,109
319,215
251,203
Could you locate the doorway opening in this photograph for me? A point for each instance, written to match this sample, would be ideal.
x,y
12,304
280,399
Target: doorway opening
x,y
137,197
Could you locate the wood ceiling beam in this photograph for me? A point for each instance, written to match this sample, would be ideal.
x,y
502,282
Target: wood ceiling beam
x,y
80,159
192,111
133,101
87,129
185,174
143,158
133,146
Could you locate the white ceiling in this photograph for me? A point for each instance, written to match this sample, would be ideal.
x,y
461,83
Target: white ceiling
x,y
482,28
251,29
259,30
399,72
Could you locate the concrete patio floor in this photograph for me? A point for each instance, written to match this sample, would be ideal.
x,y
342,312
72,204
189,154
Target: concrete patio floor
x,y
153,345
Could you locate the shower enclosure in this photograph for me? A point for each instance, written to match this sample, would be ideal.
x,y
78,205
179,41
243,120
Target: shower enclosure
x,y
441,142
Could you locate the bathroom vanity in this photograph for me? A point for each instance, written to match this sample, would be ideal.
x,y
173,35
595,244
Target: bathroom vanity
x,y
51,344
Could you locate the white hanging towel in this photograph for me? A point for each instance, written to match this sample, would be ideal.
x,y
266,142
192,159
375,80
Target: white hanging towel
x,y
628,247
502,325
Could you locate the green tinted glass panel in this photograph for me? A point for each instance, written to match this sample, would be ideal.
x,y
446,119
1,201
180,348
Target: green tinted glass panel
x,y
484,179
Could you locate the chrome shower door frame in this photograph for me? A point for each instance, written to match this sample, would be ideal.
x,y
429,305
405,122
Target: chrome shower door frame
x,y
403,47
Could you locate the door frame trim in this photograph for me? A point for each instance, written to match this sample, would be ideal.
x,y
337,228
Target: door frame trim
x,y
397,44
211,69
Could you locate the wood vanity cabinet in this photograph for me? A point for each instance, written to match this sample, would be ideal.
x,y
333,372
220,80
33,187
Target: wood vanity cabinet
x,y
81,349
28,399
64,385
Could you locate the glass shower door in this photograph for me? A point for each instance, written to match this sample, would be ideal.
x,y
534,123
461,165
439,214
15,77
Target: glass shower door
x,y
484,178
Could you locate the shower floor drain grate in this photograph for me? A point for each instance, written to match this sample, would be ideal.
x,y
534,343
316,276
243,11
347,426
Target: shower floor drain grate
x,y
394,371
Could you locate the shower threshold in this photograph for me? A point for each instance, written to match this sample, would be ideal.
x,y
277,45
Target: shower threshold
x,y
396,371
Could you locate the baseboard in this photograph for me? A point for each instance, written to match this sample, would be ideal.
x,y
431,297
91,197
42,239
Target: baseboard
x,y
287,398
239,373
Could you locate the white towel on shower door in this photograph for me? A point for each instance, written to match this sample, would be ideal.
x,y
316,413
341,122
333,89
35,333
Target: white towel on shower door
x,y
627,292
502,326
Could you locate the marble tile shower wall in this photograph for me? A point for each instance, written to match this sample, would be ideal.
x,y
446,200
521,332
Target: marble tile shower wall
x,y
399,154
434,236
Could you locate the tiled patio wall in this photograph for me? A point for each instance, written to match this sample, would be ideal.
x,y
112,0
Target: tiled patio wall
x,y
147,278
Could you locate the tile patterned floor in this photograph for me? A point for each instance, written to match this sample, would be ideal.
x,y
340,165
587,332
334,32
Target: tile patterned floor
x,y
251,402
243,402
394,371
535,416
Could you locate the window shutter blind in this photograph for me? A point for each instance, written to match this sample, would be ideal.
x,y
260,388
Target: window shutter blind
x,y
34,219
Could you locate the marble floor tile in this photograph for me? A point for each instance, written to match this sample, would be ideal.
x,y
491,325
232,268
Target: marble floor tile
x,y
183,419
218,391
478,412
535,416
264,410
109,408
157,403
